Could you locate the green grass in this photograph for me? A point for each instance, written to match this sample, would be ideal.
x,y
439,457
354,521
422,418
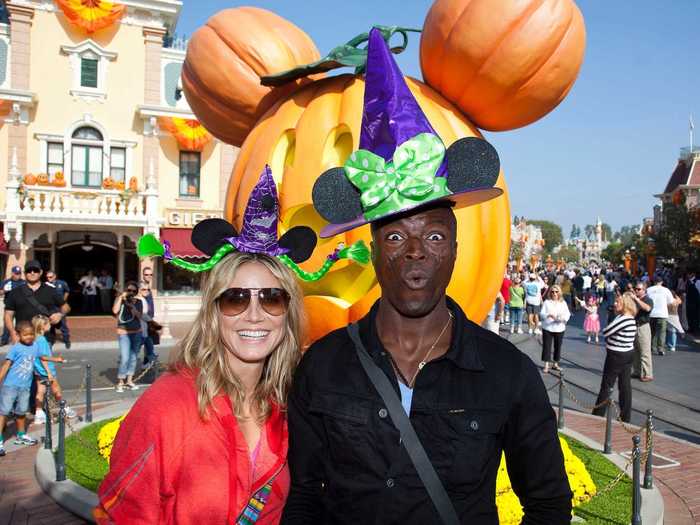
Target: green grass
x,y
615,507
84,465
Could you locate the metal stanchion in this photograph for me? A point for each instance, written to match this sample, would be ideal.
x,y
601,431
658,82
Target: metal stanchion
x,y
88,393
48,442
648,476
156,368
636,490
607,447
61,452
560,422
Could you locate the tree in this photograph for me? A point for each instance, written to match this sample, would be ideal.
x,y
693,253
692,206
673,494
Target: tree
x,y
673,236
614,252
607,232
551,233
568,253
516,251
627,235
590,231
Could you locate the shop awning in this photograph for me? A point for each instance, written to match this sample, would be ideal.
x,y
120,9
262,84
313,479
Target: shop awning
x,y
180,244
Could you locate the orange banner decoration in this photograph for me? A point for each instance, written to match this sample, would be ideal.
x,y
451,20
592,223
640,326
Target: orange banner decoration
x,y
5,107
91,15
190,134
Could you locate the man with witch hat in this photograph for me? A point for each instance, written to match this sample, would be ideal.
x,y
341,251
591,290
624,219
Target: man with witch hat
x,y
402,417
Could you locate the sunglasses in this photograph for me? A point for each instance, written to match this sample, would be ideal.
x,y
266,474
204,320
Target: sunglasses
x,y
132,290
235,301
32,270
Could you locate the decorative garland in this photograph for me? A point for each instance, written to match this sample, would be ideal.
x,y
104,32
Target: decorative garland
x,y
190,134
91,15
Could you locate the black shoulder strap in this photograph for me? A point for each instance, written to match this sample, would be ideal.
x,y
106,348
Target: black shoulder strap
x,y
415,450
32,300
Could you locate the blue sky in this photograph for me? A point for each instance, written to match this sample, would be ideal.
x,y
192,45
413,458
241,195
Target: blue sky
x,y
613,142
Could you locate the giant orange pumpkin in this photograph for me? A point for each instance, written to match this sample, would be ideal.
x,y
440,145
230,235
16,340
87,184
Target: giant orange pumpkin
x,y
505,63
225,60
317,128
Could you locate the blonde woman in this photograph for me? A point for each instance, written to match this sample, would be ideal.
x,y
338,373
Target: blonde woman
x,y
554,315
619,345
212,433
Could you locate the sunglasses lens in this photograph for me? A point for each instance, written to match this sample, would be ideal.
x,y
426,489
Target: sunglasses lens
x,y
234,301
274,300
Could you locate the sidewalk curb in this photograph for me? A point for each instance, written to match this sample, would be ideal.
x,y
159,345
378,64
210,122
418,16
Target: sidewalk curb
x,y
652,502
68,494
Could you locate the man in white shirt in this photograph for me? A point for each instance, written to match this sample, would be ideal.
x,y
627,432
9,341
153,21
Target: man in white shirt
x,y
533,301
658,316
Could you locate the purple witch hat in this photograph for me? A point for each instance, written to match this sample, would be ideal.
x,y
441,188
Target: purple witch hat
x,y
259,232
402,163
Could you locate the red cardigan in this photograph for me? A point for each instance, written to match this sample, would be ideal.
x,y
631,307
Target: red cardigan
x,y
170,466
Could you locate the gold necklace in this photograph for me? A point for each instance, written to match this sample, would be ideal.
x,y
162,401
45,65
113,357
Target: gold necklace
x,y
425,358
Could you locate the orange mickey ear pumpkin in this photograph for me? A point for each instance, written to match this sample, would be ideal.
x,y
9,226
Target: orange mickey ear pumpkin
x,y
225,60
505,64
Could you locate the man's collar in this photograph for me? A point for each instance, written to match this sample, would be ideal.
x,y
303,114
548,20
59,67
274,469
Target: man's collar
x,y
463,346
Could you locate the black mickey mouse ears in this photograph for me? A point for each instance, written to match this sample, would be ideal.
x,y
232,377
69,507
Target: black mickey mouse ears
x,y
471,170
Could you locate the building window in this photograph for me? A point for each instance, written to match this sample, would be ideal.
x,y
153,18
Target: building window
x,y
117,164
86,152
54,158
190,162
88,72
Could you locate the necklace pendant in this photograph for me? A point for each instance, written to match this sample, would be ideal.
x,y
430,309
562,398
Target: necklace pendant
x,y
421,365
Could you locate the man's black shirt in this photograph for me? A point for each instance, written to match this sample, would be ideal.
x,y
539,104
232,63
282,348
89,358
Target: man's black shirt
x,y
642,317
481,398
45,295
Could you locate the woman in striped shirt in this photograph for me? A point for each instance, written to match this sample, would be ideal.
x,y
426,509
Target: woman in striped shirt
x,y
619,345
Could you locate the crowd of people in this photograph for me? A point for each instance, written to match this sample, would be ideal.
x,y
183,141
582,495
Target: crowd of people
x,y
662,307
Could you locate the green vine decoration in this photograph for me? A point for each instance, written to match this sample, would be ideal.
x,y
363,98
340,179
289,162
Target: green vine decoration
x,y
349,54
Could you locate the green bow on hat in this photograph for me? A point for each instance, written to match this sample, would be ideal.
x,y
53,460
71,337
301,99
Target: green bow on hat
x,y
409,178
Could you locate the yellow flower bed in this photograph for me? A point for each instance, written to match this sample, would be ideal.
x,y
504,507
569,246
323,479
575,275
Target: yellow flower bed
x,y
509,509
105,438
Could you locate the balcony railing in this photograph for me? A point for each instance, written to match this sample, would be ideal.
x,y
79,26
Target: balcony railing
x,y
55,204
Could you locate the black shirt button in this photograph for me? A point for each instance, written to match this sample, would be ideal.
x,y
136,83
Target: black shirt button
x,y
390,483
383,413
474,425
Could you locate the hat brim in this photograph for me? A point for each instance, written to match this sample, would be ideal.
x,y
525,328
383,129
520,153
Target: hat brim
x,y
461,200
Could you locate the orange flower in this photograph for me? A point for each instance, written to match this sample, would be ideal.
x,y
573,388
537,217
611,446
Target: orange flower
x,y
190,134
91,15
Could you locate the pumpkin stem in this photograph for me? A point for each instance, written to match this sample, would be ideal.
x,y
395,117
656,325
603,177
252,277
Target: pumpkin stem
x,y
346,55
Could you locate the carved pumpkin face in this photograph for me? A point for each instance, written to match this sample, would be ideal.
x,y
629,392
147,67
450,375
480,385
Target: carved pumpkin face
x,y
30,179
107,183
42,179
317,128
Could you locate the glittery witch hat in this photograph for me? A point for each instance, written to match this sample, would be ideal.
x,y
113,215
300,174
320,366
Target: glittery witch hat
x,y
217,237
401,163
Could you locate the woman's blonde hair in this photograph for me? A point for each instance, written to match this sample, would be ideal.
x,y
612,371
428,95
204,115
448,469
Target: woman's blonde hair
x,y
555,288
203,351
629,304
39,323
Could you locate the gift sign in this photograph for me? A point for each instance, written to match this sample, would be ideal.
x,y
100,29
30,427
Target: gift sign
x,y
183,218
